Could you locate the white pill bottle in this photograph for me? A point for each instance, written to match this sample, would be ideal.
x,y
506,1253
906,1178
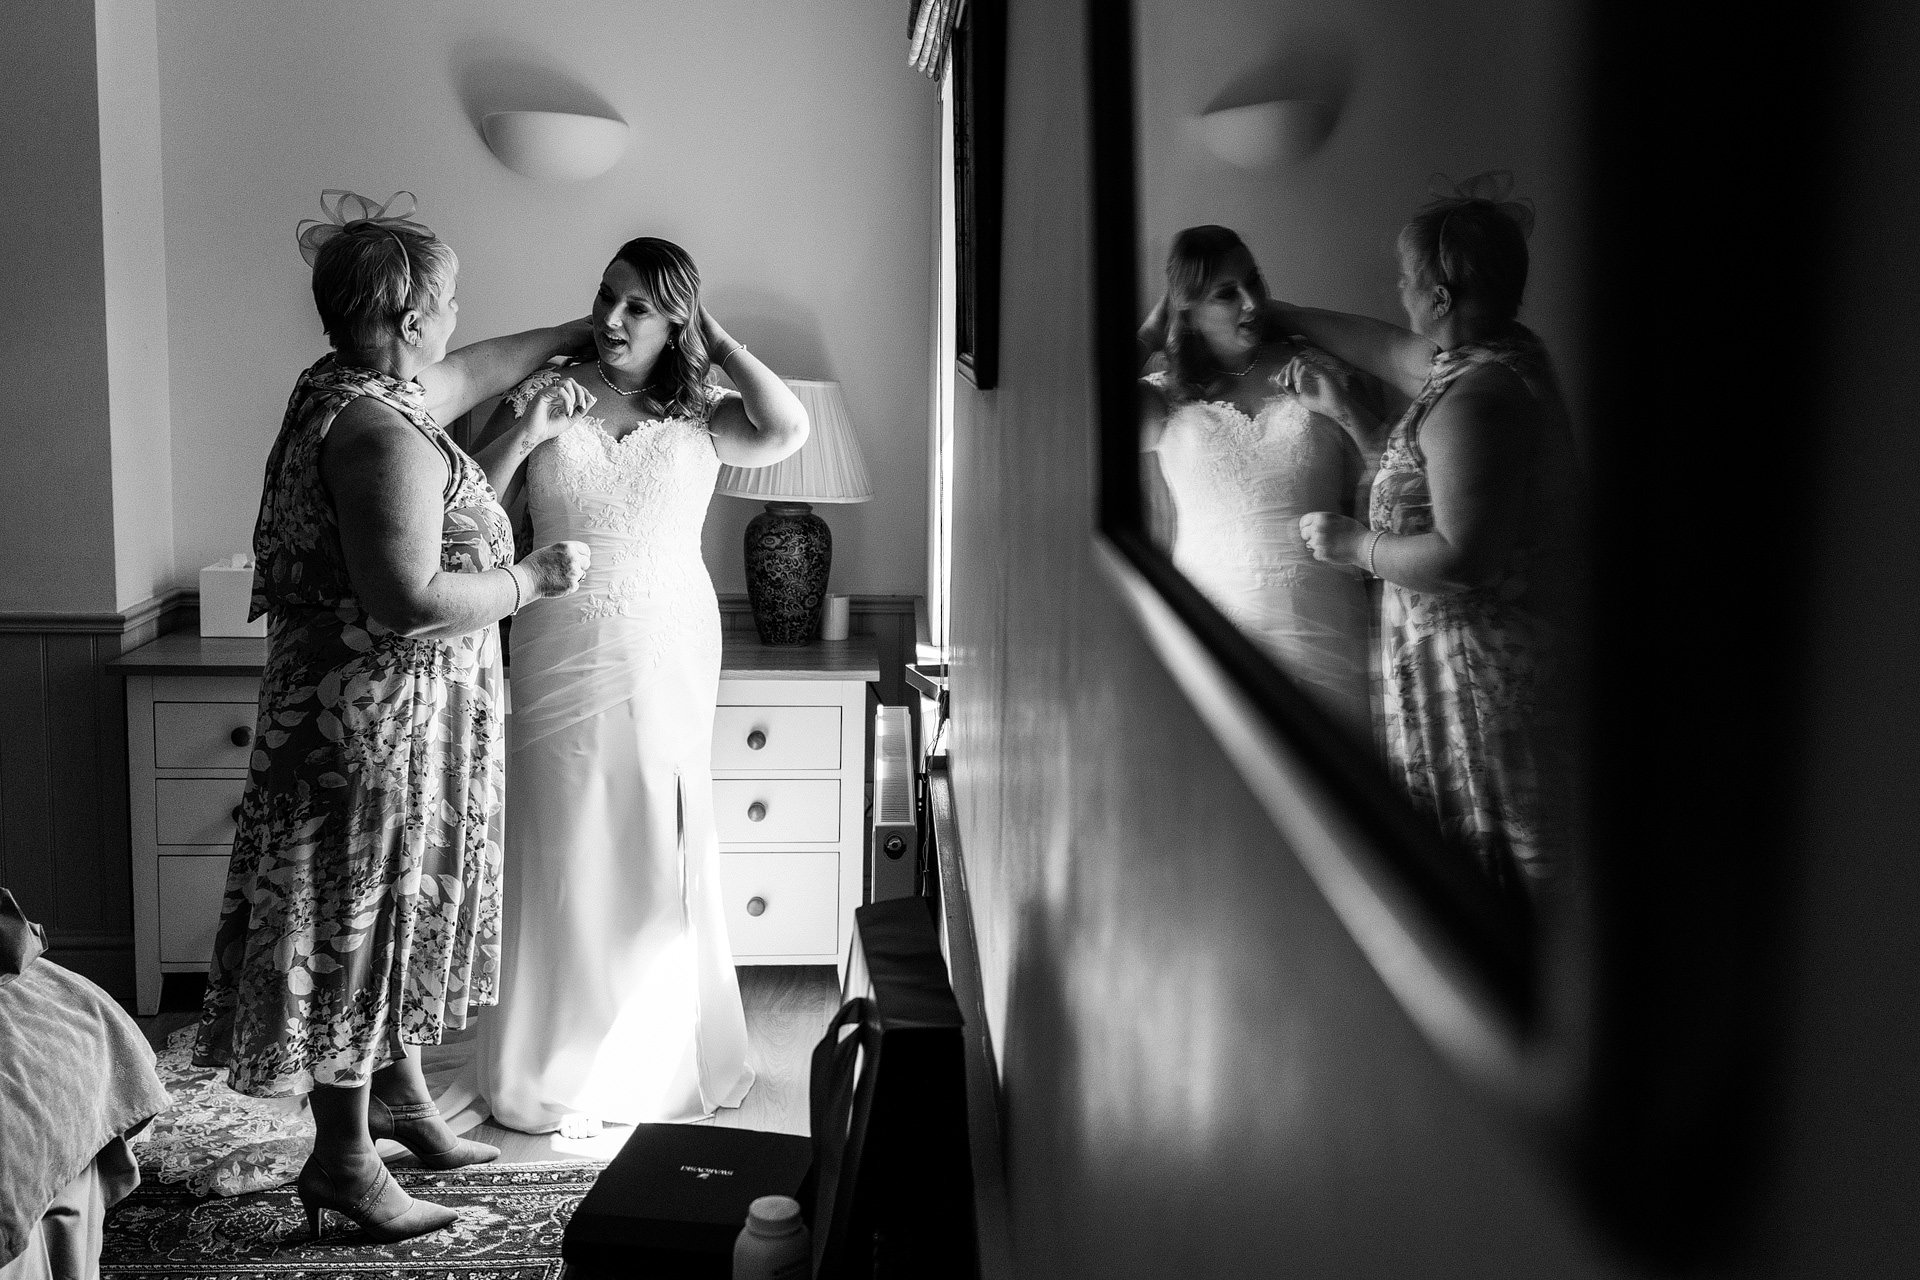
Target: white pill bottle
x,y
773,1245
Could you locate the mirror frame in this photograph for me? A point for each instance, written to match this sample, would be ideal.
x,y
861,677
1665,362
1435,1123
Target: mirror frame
x,y
1634,1046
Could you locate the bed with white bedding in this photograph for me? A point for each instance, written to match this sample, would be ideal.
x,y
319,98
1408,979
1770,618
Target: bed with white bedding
x,y
77,1080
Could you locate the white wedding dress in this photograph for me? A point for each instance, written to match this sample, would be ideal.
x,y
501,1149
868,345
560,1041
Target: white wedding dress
x,y
618,998
1240,485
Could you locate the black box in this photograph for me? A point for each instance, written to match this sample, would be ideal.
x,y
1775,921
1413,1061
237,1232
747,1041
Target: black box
x,y
672,1202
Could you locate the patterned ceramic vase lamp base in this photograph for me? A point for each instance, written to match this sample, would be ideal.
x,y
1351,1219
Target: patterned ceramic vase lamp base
x,y
789,552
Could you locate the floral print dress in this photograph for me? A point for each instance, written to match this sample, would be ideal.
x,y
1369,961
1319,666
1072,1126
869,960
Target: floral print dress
x,y
362,908
1468,677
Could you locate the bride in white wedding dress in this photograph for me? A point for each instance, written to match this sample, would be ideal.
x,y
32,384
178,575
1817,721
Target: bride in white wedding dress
x,y
1242,458
618,1000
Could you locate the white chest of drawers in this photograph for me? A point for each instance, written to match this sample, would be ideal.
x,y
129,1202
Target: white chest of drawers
x,y
789,768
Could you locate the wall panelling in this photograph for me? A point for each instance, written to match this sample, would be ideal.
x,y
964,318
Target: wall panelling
x,y
63,778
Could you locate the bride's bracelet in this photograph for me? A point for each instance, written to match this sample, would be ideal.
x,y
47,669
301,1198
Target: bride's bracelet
x,y
733,351
514,578
1372,544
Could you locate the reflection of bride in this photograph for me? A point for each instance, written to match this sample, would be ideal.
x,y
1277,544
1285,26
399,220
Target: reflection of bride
x,y
618,998
1243,459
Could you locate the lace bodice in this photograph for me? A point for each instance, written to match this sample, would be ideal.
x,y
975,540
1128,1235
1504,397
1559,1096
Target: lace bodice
x,y
1241,483
638,502
645,610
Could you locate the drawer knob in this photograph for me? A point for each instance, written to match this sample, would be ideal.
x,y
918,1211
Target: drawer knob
x,y
756,906
756,811
236,813
240,737
756,740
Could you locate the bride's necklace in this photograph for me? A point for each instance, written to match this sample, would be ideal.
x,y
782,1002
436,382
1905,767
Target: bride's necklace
x,y
1240,373
601,369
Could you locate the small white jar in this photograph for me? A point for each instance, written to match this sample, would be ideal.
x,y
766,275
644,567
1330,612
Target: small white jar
x,y
773,1245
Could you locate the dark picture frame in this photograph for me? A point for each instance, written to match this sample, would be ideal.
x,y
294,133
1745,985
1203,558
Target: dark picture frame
x,y
1637,1039
979,112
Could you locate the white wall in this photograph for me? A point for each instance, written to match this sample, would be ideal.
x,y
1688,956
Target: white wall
x,y
56,508
786,146
135,260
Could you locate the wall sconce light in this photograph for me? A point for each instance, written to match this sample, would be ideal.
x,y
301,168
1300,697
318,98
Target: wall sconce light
x,y
1261,135
554,146
1284,108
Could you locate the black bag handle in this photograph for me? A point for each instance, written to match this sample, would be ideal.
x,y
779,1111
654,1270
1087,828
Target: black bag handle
x,y
830,1098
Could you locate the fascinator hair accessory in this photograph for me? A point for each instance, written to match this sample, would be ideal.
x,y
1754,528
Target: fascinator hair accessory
x,y
1494,188
346,210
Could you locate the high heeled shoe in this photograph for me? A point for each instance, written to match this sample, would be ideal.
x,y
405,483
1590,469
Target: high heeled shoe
x,y
384,1211
404,1125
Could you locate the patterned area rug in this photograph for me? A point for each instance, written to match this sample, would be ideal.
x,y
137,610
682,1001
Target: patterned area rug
x,y
215,1141
511,1217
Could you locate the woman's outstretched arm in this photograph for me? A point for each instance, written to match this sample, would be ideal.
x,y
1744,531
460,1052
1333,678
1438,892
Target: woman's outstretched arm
x,y
467,376
1481,442
1399,357
767,422
387,484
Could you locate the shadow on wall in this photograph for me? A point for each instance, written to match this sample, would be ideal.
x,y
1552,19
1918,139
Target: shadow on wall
x,y
508,75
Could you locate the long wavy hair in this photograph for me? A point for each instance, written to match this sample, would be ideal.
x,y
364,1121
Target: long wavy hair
x,y
1194,261
678,386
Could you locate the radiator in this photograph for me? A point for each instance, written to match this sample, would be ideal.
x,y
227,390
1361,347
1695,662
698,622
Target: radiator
x,y
893,847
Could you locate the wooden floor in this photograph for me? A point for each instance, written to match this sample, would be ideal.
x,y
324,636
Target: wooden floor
x,y
787,1006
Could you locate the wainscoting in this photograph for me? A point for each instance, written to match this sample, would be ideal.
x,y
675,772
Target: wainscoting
x,y
63,778
63,762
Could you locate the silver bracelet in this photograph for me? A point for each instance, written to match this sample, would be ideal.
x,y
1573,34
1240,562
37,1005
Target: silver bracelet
x,y
1372,543
738,347
514,578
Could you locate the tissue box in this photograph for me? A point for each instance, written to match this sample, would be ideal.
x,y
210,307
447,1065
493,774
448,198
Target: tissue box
x,y
225,590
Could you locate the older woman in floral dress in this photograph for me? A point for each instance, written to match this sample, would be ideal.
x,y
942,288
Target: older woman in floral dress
x,y
1472,529
362,908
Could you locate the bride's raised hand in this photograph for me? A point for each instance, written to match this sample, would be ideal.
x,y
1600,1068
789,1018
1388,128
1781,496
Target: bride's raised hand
x,y
1152,333
715,337
555,408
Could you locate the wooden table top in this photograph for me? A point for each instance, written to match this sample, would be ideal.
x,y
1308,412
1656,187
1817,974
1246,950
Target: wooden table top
x,y
187,653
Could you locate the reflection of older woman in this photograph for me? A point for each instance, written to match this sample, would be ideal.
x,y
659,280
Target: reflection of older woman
x,y
1469,529
363,900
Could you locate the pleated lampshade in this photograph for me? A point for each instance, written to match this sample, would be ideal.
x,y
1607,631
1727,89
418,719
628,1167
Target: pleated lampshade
x,y
827,468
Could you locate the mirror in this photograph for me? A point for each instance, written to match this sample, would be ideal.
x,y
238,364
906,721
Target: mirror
x,y
1357,321
1605,974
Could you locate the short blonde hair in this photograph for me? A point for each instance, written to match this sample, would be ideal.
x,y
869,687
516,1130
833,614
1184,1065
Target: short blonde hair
x,y
368,275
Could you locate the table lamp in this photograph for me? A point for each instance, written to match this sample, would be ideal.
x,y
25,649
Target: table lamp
x,y
790,549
